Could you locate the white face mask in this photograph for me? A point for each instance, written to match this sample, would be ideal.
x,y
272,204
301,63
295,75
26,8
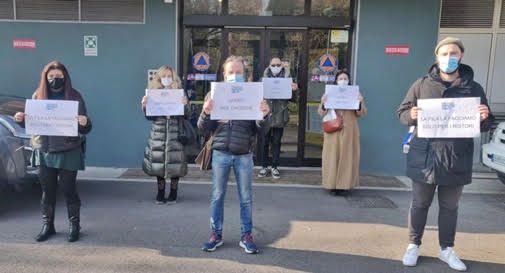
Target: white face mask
x,y
166,81
275,69
343,82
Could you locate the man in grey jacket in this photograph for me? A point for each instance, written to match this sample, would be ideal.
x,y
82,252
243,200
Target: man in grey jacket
x,y
443,164
279,120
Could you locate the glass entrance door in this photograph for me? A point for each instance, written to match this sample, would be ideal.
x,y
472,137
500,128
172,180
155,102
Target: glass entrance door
x,y
311,56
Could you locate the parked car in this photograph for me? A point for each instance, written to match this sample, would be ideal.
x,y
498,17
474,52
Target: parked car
x,y
15,150
493,153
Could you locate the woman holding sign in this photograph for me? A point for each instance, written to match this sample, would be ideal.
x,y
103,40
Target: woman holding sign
x,y
59,157
231,147
341,149
443,163
164,155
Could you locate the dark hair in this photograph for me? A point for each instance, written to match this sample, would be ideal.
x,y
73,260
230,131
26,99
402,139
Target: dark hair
x,y
42,94
343,71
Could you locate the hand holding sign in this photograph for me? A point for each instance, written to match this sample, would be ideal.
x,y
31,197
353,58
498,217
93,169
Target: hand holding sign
x,y
19,117
83,120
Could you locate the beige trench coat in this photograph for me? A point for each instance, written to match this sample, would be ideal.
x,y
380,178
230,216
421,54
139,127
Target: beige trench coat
x,y
341,152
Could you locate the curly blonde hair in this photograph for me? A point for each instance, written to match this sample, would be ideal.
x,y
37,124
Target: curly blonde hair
x,y
155,82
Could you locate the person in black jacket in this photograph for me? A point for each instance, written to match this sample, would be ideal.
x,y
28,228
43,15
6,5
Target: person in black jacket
x,y
440,163
58,157
280,119
231,147
164,155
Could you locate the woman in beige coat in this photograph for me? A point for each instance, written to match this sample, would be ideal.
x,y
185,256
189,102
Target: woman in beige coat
x,y
341,150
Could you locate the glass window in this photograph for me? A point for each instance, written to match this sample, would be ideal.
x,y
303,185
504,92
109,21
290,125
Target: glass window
x,y
47,10
6,10
266,7
119,11
331,8
201,61
328,50
202,7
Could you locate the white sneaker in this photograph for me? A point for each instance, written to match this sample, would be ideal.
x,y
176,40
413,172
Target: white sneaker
x,y
451,258
411,255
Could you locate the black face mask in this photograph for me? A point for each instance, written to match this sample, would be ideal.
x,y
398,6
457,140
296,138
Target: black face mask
x,y
56,83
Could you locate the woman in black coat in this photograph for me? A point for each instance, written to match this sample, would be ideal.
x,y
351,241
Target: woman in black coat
x,y
58,158
164,155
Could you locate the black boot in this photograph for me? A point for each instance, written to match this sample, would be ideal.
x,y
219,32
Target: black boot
x,y
160,197
48,224
74,223
172,196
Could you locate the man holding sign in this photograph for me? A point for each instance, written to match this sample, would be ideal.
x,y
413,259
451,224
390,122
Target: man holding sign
x,y
232,142
278,90
448,108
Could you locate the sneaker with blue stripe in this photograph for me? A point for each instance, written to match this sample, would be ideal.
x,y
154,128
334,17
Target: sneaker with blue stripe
x,y
214,242
248,244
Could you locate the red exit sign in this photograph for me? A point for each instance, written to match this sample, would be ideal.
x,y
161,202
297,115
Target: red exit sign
x,y
402,50
24,43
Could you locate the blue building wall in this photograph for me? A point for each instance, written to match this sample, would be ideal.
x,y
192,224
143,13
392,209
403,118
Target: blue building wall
x,y
112,83
384,80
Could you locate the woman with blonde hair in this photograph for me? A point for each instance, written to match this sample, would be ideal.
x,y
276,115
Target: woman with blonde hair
x,y
164,154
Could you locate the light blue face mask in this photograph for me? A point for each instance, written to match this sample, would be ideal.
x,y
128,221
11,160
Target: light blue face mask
x,y
448,65
235,78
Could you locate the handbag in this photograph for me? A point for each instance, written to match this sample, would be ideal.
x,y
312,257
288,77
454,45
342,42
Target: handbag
x,y
204,158
332,122
187,133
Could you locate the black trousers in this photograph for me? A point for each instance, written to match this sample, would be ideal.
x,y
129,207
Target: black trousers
x,y
50,178
448,200
273,137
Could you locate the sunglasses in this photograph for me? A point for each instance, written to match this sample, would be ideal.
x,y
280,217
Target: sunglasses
x,y
275,65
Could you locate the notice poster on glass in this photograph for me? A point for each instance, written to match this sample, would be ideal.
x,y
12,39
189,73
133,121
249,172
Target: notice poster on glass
x,y
448,118
51,117
237,101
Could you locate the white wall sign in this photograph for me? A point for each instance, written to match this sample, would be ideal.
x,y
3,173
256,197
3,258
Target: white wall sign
x,y
90,45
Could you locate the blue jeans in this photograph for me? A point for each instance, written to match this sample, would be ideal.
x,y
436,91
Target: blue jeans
x,y
242,166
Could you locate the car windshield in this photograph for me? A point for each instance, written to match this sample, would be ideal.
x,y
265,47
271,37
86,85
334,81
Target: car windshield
x,y
10,105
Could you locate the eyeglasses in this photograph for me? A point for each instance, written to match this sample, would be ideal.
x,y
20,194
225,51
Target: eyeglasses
x,y
275,65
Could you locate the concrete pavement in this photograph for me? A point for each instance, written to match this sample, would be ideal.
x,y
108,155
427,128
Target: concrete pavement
x,y
299,229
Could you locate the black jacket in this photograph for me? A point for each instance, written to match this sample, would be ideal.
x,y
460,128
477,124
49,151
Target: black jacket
x,y
234,136
441,161
164,154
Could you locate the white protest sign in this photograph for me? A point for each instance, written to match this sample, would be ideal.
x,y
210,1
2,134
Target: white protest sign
x,y
448,118
277,88
342,97
164,102
51,117
236,101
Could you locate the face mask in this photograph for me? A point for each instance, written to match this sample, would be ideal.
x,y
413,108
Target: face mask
x,y
343,82
448,65
56,83
235,78
275,69
166,81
